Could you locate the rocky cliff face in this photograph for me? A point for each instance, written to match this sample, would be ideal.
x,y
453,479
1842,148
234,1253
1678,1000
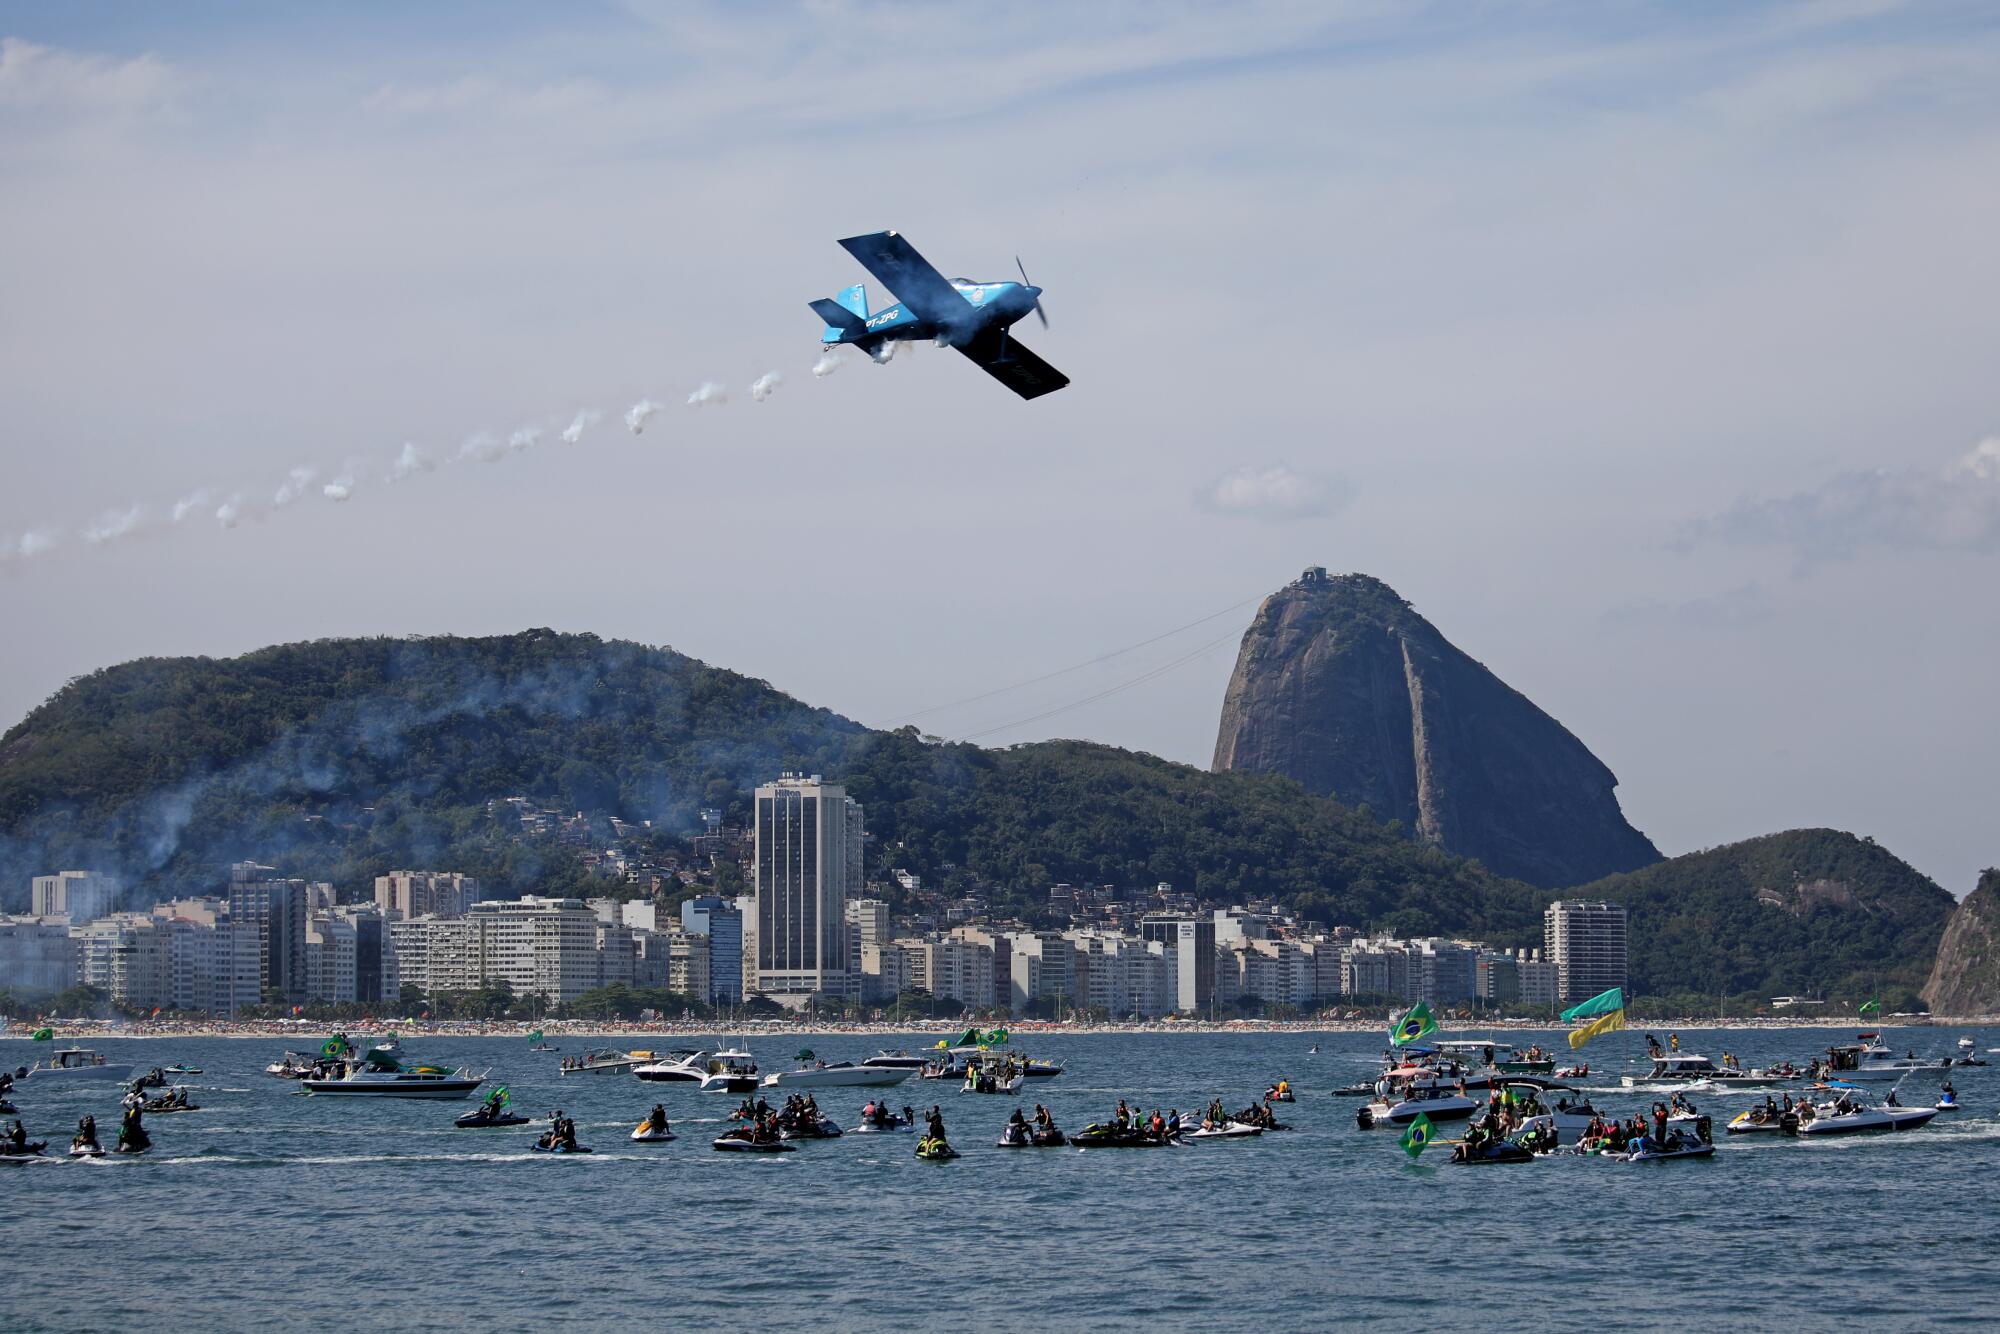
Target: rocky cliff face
x,y
1966,977
1344,688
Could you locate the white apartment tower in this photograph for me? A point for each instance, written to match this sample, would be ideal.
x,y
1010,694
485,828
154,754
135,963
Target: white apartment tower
x,y
1586,940
808,839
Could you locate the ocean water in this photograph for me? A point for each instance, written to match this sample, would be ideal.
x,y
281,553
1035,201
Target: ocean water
x,y
270,1209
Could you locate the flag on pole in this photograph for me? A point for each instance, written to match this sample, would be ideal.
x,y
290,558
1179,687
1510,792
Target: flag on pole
x,y
1871,1005
1604,1023
535,1036
1604,1002
1417,1137
1418,1023
43,1035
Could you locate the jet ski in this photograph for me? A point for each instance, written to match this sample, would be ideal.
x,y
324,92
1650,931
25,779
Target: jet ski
x,y
479,1119
1276,1094
8,1108
740,1141
86,1150
31,1150
895,1125
1095,1136
557,1147
1495,1151
935,1150
1227,1130
1757,1121
183,1069
650,1131
1365,1089
1947,1101
823,1128
161,1107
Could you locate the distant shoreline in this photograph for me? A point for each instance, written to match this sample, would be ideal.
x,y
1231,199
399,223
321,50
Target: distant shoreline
x,y
927,1032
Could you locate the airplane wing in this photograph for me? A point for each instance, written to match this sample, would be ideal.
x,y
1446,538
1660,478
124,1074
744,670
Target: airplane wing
x,y
898,267
1013,365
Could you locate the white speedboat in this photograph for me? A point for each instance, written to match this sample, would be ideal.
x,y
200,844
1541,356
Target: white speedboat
x,y
1227,1130
1869,1061
733,1071
384,1077
1851,1113
682,1066
1436,1106
606,1061
74,1063
837,1074
898,1060
1691,1069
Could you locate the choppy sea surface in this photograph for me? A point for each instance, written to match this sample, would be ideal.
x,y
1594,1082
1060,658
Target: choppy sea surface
x,y
271,1209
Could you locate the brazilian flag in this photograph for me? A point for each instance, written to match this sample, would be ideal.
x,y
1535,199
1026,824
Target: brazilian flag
x,y
1418,1023
1874,1006
334,1046
535,1036
501,1094
1418,1137
43,1035
1604,1002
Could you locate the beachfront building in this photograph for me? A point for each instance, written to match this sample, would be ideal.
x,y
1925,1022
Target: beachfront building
x,y
331,953
807,860
1586,940
126,954
276,909
1190,946
1041,967
1121,975
81,896
37,958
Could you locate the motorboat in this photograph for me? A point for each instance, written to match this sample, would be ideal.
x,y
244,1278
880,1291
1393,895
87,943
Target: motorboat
x,y
75,1063
1436,1106
544,1046
898,1060
1688,1068
1227,1130
1869,1061
383,1076
1364,1089
1848,1115
1493,1151
606,1061
733,1071
292,1065
993,1075
683,1065
183,1070
813,1074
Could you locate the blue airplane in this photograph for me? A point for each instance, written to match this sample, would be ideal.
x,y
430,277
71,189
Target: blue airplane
x,y
957,312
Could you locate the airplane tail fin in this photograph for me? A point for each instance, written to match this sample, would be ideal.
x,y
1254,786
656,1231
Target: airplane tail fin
x,y
855,298
843,324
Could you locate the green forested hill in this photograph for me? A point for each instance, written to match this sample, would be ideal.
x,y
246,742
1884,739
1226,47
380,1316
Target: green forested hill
x,y
341,759
1805,911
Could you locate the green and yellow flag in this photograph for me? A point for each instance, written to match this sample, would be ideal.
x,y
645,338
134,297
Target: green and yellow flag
x,y
535,1036
1604,1023
1418,1023
1418,1137
43,1035
1872,1005
1604,1002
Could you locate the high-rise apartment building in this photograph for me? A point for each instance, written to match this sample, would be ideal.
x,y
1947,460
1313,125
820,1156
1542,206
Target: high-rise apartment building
x,y
81,896
405,894
36,958
276,910
719,922
1586,940
1190,946
808,842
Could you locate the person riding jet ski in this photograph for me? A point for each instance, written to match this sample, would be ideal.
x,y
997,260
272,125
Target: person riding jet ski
x,y
86,1137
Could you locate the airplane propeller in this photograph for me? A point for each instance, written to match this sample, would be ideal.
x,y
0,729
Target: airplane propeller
x,y
1039,312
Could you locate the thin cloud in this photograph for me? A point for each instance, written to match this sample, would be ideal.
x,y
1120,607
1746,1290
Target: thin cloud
x,y
1272,491
1741,608
1953,508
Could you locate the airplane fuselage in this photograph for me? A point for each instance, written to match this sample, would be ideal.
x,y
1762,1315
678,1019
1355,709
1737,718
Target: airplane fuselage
x,y
988,306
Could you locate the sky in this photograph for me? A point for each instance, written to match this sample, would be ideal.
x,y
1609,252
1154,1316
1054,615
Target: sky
x,y
1649,350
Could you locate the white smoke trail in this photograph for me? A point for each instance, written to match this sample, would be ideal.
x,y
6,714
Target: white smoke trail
x,y
524,437
765,385
480,447
293,486
639,414
28,545
710,394
192,501
409,463
585,419
340,488
230,512
114,524
829,362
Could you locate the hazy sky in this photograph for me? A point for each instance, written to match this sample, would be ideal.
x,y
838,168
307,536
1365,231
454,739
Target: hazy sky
x,y
1649,350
